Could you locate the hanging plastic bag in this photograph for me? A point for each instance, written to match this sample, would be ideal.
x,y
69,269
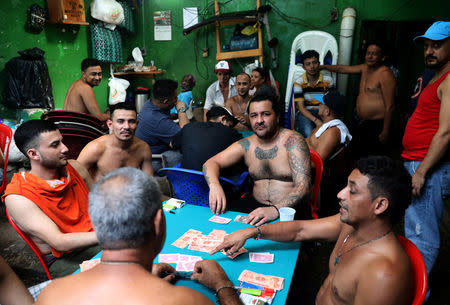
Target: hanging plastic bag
x,y
109,11
117,90
139,60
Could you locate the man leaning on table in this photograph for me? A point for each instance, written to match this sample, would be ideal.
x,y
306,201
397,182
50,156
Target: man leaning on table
x,y
368,264
277,159
127,215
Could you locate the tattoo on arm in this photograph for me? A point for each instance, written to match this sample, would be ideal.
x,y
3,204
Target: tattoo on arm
x,y
300,164
204,168
245,144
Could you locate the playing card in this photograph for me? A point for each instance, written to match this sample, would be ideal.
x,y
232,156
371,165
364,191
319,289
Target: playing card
x,y
168,258
219,219
267,281
256,257
240,218
86,265
185,266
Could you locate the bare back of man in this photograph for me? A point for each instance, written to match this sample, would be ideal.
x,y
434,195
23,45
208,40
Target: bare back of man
x,y
371,103
80,96
380,263
105,154
108,285
238,107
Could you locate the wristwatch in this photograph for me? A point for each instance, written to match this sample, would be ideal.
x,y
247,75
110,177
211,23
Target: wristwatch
x,y
182,109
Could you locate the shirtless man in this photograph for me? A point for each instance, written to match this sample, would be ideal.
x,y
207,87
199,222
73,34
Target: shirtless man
x,y
332,134
368,264
375,103
238,104
127,215
50,203
118,149
80,96
277,159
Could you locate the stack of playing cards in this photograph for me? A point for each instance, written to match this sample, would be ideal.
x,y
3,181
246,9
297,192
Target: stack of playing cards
x,y
261,257
184,262
268,281
196,241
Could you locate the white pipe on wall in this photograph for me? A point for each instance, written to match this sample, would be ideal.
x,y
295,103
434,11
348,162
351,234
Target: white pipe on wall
x,y
345,45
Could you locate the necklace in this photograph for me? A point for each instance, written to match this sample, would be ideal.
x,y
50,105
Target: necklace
x,y
119,263
336,261
242,111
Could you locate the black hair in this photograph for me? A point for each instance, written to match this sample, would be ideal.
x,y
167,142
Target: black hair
x,y
264,93
122,106
89,62
389,178
263,72
309,54
164,88
28,133
246,74
380,44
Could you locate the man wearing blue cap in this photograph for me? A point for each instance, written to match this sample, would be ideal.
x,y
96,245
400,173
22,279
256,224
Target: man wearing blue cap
x,y
329,138
426,143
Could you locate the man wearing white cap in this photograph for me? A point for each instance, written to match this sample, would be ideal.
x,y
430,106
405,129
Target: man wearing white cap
x,y
426,146
220,90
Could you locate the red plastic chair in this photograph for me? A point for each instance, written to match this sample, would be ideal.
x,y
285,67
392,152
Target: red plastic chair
x,y
5,135
32,245
317,160
419,269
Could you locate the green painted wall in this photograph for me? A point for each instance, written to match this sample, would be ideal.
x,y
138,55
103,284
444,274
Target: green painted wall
x,y
287,19
66,46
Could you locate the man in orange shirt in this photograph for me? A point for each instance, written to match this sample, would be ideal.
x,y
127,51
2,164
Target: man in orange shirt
x,y
50,203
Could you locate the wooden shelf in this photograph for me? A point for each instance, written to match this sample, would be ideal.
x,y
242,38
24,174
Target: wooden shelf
x,y
150,74
258,52
67,12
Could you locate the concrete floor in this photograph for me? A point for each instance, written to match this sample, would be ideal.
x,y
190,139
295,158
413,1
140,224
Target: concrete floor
x,y
310,271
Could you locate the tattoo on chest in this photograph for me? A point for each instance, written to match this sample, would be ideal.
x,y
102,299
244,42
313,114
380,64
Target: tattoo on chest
x,y
262,154
245,144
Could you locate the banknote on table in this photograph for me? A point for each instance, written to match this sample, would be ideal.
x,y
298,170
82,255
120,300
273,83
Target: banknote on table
x,y
240,218
268,281
261,257
220,219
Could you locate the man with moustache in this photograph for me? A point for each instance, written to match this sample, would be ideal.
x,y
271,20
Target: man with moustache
x,y
50,203
368,264
426,146
238,104
375,103
80,96
120,148
278,160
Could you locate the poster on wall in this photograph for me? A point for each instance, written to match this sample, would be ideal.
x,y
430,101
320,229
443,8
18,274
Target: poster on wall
x,y
163,25
190,17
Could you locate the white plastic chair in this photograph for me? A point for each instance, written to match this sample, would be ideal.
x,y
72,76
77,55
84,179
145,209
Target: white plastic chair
x,y
322,42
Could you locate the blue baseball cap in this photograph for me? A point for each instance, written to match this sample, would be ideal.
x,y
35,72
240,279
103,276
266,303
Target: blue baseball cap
x,y
334,100
437,31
